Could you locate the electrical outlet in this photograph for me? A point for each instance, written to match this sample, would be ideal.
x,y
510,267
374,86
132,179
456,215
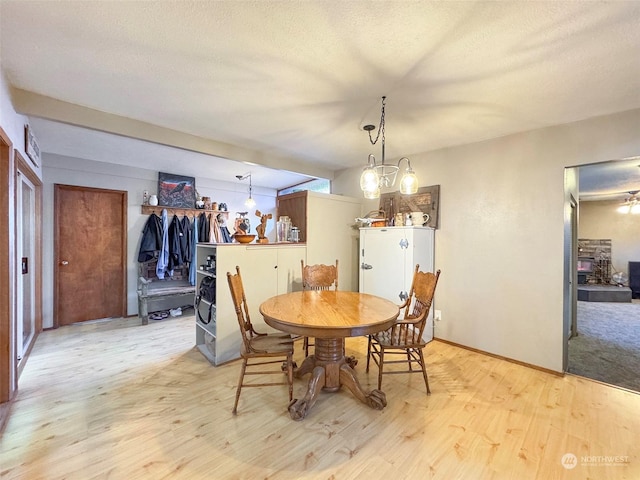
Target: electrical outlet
x,y
437,315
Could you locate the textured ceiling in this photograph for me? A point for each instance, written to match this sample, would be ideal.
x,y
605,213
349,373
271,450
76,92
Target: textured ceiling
x,y
301,78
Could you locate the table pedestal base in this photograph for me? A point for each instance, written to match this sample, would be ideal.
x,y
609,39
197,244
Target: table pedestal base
x,y
330,370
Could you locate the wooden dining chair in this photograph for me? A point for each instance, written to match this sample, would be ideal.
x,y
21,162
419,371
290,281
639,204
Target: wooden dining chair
x,y
318,277
275,348
404,338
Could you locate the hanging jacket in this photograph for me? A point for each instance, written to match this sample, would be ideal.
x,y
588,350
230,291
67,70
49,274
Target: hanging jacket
x,y
224,231
175,241
163,255
193,264
214,230
203,228
151,241
186,239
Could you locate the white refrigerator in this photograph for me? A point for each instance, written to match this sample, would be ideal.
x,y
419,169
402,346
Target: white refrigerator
x,y
388,257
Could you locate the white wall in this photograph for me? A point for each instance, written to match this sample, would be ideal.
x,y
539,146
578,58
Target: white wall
x,y
12,123
600,220
500,245
74,171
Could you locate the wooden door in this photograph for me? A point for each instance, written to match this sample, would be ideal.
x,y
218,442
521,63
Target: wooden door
x,y
90,245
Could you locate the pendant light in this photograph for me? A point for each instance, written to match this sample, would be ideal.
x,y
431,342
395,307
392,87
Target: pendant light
x,y
249,202
374,176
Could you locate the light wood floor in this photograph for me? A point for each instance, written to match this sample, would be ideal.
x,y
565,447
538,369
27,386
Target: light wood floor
x,y
122,401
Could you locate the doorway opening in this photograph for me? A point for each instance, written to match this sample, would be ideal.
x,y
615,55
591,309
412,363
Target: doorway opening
x,y
603,341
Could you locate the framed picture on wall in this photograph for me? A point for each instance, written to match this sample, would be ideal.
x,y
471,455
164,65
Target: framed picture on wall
x,y
31,147
176,191
427,200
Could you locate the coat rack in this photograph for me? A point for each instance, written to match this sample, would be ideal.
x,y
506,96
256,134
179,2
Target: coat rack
x,y
180,212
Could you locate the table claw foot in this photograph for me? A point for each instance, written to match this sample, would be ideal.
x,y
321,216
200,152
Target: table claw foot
x,y
351,361
377,399
298,409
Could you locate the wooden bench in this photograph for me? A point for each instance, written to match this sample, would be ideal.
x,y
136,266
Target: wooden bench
x,y
155,294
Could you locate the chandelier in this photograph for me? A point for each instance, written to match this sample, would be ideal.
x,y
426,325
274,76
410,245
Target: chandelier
x,y
631,204
249,202
374,176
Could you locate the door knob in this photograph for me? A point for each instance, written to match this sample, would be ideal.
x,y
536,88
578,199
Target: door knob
x,y
64,262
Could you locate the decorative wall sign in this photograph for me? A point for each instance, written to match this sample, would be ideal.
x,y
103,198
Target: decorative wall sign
x,y
31,147
427,200
176,191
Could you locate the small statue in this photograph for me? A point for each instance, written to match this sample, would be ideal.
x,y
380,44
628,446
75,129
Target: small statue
x,y
260,229
199,201
242,225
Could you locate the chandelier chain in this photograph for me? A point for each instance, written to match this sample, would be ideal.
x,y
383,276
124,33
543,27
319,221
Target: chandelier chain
x,y
381,129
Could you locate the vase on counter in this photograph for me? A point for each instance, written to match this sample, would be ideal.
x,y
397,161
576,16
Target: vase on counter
x,y
153,200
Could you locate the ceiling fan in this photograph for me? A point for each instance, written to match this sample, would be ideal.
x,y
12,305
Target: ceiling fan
x,y
631,204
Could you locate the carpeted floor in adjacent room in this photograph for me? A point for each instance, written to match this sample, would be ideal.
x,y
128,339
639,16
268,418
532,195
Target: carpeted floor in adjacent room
x,y
607,347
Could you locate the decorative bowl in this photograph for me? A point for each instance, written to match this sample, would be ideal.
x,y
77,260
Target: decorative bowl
x,y
244,238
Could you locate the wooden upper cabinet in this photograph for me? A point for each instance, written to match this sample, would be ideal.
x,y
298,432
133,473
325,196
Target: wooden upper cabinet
x,y
294,206
326,227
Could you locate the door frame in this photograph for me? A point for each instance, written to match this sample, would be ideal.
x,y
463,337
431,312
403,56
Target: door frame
x,y
56,241
8,371
570,241
23,168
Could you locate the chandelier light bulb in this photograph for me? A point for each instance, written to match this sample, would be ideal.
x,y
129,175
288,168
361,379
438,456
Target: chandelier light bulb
x,y
372,194
250,202
409,182
369,180
624,209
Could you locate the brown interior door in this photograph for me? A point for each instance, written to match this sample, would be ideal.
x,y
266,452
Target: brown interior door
x,y
90,245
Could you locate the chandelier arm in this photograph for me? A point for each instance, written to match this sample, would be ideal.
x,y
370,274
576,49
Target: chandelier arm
x,y
408,162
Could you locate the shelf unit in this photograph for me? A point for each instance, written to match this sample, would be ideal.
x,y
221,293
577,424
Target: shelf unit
x,y
206,333
267,270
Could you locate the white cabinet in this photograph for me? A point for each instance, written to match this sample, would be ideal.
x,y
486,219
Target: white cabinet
x,y
266,270
388,257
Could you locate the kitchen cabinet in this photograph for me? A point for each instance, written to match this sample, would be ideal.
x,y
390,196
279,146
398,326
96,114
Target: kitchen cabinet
x,y
266,270
388,257
325,222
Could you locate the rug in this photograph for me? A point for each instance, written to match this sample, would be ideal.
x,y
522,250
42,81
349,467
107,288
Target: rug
x,y
607,347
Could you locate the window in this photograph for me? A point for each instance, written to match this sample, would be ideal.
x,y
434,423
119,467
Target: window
x,y
321,185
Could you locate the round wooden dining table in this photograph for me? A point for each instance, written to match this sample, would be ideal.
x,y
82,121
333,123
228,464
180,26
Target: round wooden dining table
x,y
330,317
